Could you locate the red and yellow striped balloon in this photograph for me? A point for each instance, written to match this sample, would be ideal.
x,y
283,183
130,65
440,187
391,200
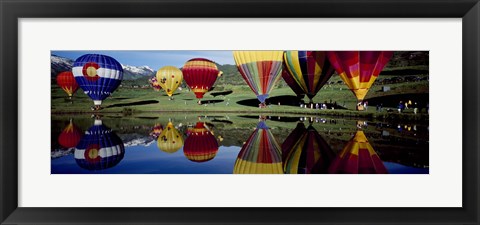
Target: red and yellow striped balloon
x,y
358,157
359,69
200,74
67,82
200,145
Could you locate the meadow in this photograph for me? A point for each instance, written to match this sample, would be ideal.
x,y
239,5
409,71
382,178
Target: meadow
x,y
143,100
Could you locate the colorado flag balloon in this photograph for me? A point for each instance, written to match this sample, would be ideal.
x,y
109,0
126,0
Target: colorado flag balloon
x,y
359,69
97,75
260,69
99,149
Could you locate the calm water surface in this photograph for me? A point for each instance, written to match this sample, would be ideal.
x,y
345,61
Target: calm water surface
x,y
240,144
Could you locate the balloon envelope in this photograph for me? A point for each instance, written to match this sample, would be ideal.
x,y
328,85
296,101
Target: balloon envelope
x,y
100,148
154,83
70,136
200,74
359,69
98,75
67,82
170,140
309,70
169,78
261,154
200,145
358,156
305,151
260,69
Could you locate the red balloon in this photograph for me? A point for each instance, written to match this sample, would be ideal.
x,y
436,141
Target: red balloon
x,y
67,82
70,136
200,145
200,75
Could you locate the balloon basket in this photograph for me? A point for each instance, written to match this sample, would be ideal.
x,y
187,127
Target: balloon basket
x,y
360,107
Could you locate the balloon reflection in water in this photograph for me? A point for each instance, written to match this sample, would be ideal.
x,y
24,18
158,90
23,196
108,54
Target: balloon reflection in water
x,y
358,156
305,151
99,149
156,130
200,145
170,140
261,154
70,136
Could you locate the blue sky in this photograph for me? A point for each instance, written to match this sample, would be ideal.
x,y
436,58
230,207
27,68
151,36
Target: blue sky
x,y
155,59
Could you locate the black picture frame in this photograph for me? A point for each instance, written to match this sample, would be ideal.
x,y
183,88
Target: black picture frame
x,y
12,10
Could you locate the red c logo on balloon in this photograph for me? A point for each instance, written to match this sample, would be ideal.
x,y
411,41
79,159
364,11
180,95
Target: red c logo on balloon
x,y
90,71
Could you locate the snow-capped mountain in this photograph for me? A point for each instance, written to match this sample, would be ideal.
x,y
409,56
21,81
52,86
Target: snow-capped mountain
x,y
60,64
134,72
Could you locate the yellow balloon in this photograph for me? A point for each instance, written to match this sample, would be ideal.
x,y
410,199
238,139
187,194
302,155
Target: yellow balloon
x,y
170,140
169,78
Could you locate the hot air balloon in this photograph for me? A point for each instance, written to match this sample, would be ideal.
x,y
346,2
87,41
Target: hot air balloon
x,y
305,151
70,136
156,130
200,74
67,82
170,140
169,78
260,154
154,84
99,149
358,156
260,69
310,70
98,76
200,145
359,69
293,84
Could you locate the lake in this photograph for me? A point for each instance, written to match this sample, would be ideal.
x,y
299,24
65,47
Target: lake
x,y
178,143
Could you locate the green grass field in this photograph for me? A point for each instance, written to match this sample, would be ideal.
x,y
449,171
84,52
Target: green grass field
x,y
145,101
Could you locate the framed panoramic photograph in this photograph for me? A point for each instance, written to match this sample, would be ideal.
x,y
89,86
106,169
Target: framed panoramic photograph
x,y
228,112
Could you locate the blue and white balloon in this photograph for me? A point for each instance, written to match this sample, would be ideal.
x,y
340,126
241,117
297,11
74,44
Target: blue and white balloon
x,y
97,75
100,148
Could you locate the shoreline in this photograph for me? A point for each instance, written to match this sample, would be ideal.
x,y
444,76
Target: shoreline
x,y
395,116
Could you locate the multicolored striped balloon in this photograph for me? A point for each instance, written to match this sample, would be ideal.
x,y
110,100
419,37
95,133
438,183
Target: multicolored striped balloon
x,y
169,78
261,154
358,156
292,83
98,75
170,140
260,69
309,70
359,69
67,82
200,145
306,152
99,149
200,74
